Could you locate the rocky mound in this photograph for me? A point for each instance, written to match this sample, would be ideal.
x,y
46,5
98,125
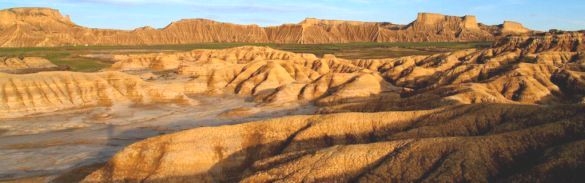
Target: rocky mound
x,y
465,116
517,69
40,27
24,65
52,91
465,143
545,69
272,77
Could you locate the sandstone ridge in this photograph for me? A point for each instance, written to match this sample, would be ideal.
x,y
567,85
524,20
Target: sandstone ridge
x,y
22,95
538,70
44,27
512,113
465,116
25,64
466,143
517,69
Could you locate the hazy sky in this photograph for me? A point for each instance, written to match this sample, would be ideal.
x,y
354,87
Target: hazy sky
x,y
129,14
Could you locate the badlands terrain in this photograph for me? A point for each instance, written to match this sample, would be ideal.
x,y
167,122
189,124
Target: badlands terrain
x,y
43,27
509,112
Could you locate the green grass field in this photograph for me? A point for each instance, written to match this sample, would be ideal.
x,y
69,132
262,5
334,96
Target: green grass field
x,y
70,56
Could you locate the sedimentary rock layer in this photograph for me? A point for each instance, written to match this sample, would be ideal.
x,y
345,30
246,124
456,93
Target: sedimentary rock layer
x,y
26,64
475,115
40,27
464,143
270,76
517,69
52,91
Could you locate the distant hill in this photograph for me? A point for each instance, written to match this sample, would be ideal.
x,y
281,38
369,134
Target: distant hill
x,y
45,27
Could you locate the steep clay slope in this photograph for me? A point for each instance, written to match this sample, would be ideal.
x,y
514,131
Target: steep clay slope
x,y
436,27
26,64
483,120
35,27
270,76
39,27
517,69
44,92
463,143
545,69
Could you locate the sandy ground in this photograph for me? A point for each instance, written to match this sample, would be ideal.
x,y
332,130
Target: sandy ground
x,y
41,148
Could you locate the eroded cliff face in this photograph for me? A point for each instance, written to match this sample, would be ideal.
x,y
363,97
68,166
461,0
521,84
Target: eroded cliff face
x,y
44,92
271,77
25,64
466,116
39,27
512,112
543,69
466,143
516,69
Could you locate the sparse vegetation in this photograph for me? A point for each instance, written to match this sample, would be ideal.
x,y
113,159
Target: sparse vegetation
x,y
70,56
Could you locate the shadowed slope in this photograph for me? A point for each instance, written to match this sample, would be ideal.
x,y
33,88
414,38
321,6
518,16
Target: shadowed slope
x,y
465,143
509,113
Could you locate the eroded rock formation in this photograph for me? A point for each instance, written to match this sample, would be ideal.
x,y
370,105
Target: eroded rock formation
x,y
543,69
512,112
466,143
517,69
41,27
465,116
26,64
272,77
44,92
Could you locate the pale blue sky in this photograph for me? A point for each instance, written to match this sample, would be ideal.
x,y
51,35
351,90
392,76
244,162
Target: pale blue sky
x,y
129,14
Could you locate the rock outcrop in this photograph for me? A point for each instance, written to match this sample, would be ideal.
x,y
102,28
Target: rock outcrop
x,y
26,64
22,95
517,69
463,117
465,143
513,27
43,27
540,69
272,77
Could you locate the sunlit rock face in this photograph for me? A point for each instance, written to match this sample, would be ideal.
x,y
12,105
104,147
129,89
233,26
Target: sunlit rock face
x,y
512,112
271,77
44,27
25,64
544,69
52,91
517,69
467,143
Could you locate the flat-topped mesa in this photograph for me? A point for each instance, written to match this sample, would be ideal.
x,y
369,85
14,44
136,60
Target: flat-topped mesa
x,y
470,22
145,28
314,21
32,15
205,30
434,19
511,27
42,27
191,21
429,18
